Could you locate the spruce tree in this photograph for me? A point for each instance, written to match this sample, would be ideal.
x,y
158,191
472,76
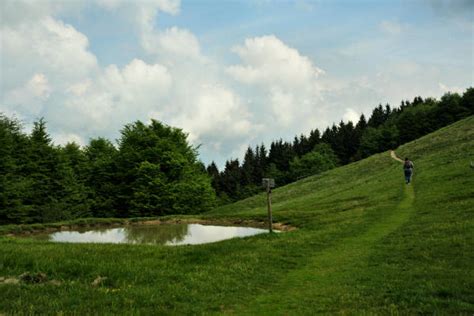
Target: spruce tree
x,y
42,165
101,177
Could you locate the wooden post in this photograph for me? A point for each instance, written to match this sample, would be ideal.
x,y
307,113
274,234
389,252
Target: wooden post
x,y
268,184
269,206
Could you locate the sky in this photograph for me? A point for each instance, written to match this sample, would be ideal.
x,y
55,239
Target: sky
x,y
228,73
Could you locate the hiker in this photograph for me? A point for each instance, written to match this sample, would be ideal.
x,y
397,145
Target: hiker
x,y
408,169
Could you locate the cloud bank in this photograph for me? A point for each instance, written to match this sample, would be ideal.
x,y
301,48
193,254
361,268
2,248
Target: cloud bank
x,y
270,90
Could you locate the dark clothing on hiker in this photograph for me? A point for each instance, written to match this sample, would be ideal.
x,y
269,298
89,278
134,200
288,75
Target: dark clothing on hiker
x,y
408,169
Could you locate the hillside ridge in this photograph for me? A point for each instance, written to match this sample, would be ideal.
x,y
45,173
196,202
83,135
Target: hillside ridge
x,y
316,278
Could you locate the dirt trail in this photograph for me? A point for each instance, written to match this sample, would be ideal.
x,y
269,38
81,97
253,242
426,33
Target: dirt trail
x,y
394,156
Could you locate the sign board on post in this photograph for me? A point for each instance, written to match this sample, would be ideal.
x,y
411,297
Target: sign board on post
x,y
268,184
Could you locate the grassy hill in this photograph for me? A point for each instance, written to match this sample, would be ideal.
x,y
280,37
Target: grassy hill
x,y
365,242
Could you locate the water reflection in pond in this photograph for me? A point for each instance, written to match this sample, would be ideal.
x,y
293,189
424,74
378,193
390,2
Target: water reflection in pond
x,y
164,234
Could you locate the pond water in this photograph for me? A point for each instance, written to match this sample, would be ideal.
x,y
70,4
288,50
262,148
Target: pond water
x,y
163,234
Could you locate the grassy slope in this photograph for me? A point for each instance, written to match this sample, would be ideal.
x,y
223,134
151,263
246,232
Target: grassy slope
x,y
366,242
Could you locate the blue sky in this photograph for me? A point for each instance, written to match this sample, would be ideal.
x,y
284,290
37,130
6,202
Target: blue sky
x,y
230,73
316,28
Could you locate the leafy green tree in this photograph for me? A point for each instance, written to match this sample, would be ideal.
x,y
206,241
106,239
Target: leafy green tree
x,y
73,200
467,100
450,109
417,101
162,153
416,121
101,177
14,183
379,116
322,158
152,196
313,139
375,140
279,176
194,194
75,158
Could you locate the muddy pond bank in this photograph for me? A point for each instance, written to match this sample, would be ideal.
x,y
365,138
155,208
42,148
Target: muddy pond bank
x,y
23,230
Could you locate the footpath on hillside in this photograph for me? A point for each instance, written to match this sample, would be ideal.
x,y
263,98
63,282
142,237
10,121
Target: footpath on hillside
x,y
330,272
394,156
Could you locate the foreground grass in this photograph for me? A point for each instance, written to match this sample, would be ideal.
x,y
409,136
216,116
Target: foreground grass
x,y
366,243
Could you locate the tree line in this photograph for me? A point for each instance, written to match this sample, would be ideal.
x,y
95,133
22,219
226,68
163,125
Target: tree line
x,y
340,144
152,171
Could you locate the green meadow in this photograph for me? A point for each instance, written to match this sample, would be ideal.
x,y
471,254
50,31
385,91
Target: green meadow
x,y
365,243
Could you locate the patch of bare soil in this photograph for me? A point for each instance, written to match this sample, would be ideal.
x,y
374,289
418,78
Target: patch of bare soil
x,y
394,156
222,222
29,278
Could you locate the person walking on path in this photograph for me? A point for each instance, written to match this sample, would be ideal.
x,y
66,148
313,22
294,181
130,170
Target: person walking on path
x,y
408,170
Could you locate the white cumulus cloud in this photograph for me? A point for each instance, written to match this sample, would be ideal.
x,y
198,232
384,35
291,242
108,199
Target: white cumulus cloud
x,y
267,60
171,44
46,46
216,115
453,89
52,73
272,91
115,97
351,116
29,97
283,79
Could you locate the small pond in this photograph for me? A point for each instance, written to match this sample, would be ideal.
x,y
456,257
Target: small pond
x,y
163,234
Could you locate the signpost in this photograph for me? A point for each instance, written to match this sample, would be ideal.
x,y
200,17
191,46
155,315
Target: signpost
x,y
268,184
